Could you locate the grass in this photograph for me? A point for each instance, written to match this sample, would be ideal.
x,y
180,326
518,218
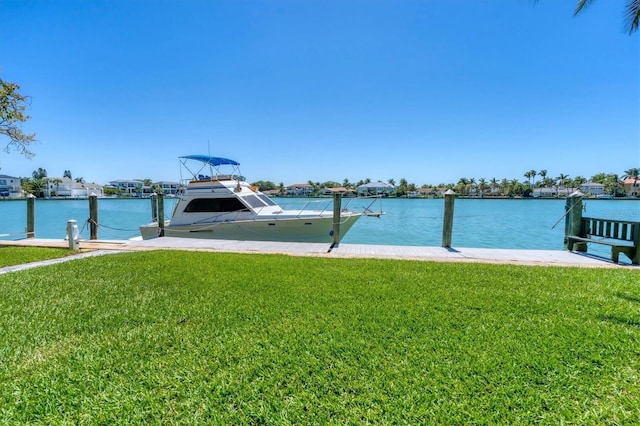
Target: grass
x,y
192,338
13,255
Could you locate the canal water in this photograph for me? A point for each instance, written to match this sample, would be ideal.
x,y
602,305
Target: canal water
x,y
482,223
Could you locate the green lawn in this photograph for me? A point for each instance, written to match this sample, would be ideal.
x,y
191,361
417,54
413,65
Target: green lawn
x,y
192,338
14,255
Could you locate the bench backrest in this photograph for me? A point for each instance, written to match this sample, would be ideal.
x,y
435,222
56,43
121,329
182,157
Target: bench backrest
x,y
608,228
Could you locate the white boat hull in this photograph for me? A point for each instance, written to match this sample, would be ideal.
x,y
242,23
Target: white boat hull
x,y
309,229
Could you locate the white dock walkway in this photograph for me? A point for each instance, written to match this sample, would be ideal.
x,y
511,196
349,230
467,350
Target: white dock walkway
x,y
437,254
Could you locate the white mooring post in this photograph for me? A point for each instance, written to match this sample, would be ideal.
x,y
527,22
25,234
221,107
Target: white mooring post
x,y
73,235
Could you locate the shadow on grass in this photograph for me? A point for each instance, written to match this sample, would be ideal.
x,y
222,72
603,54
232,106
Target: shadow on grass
x,y
628,297
620,320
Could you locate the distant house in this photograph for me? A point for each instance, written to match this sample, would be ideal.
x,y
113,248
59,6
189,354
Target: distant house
x,y
10,187
169,188
84,190
300,190
592,188
133,187
376,188
544,192
338,190
565,192
58,187
631,187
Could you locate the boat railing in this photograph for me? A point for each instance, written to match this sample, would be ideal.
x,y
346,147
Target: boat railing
x,y
364,205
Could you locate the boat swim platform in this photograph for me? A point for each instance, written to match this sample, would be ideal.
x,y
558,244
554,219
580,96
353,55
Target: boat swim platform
x,y
342,250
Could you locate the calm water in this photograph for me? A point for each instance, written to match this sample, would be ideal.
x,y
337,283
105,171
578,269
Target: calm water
x,y
515,224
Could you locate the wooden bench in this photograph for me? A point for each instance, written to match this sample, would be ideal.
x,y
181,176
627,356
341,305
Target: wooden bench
x,y
622,235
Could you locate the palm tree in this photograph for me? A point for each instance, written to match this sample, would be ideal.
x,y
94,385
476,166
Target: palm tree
x,y
482,185
472,185
462,185
56,182
632,12
633,173
530,175
543,176
562,180
579,180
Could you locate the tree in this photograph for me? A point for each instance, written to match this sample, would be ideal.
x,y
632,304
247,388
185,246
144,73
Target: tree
x,y
67,174
563,180
531,174
632,13
543,176
57,182
40,173
12,107
482,186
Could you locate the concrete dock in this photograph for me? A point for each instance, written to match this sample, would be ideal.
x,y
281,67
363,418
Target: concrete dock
x,y
436,254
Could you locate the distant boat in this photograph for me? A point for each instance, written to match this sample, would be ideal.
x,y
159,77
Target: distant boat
x,y
604,196
223,206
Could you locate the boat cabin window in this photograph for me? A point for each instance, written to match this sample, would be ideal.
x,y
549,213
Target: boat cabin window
x,y
214,205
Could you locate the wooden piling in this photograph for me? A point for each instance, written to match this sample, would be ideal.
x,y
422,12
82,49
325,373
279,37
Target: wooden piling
x,y
160,213
447,226
573,220
337,208
93,217
31,216
154,207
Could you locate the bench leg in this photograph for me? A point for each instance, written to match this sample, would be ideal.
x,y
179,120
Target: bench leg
x,y
615,254
631,252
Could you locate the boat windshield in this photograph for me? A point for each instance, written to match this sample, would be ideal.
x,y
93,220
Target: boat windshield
x,y
268,201
254,201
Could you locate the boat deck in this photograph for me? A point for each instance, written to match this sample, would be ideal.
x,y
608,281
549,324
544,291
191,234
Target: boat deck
x,y
437,254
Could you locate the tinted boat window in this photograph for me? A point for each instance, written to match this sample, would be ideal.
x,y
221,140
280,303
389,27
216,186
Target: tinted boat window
x,y
267,200
253,201
214,205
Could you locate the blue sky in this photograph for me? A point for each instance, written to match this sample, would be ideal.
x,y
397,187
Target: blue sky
x,y
297,90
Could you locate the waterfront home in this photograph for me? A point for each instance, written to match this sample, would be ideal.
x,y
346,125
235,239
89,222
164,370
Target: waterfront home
x,y
84,190
544,193
300,190
338,190
132,187
376,188
169,188
10,187
592,188
631,187
58,187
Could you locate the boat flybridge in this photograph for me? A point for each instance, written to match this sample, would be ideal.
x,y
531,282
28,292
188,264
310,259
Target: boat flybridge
x,y
221,205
